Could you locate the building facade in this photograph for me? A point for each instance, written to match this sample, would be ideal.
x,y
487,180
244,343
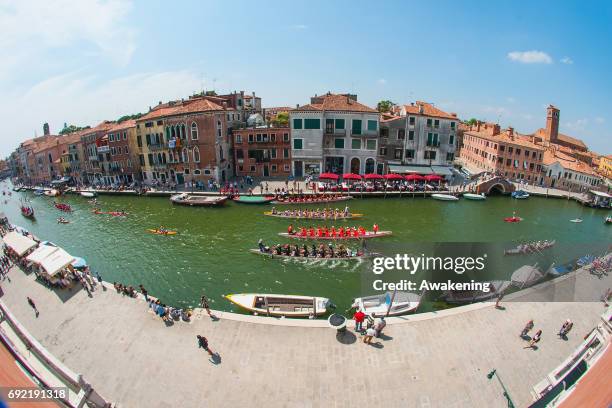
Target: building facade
x,y
262,152
568,173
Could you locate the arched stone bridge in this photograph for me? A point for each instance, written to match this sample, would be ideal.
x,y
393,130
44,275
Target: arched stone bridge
x,y
495,184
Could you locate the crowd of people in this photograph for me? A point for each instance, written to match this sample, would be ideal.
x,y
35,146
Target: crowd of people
x,y
325,214
333,232
309,198
566,327
303,251
373,327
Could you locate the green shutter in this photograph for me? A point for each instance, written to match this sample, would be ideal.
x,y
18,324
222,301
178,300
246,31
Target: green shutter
x,y
339,124
312,123
371,144
339,143
451,139
356,144
356,126
297,144
297,123
372,125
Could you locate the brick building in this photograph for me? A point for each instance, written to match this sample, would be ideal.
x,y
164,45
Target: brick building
x,y
262,152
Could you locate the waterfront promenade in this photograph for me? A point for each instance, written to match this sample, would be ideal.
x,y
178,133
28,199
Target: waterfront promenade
x,y
430,360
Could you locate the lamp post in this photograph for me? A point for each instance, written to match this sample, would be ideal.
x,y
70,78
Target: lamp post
x,y
508,399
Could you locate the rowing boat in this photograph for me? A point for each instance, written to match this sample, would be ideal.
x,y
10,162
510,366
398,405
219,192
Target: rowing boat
x,y
307,200
475,197
158,232
113,213
530,248
281,305
253,199
367,235
313,258
388,304
296,217
444,197
197,200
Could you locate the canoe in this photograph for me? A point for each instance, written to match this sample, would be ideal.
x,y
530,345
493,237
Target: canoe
x,y
281,305
470,296
313,258
295,217
513,219
475,197
253,199
113,213
27,212
60,221
88,194
381,305
368,235
314,201
198,201
158,232
444,197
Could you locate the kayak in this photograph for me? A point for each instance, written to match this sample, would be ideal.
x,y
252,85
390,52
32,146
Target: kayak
x,y
296,217
253,199
158,232
513,219
368,235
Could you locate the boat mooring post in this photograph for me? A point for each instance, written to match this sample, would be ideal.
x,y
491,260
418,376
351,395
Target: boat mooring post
x,y
267,306
391,303
314,306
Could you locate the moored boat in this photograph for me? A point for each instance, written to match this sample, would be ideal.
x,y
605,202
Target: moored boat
x,y
253,199
281,305
88,194
475,197
197,200
576,220
39,192
520,194
355,256
311,199
365,235
51,193
496,287
444,197
608,220
526,276
388,303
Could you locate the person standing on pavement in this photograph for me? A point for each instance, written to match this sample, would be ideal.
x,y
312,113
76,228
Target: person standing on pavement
x,y
33,305
379,326
203,343
205,305
369,335
359,317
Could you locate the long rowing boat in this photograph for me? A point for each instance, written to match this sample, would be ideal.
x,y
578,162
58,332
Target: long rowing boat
x,y
313,258
302,217
530,248
311,200
281,305
198,201
367,235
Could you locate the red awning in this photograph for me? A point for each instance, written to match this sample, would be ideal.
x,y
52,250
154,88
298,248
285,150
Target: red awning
x,y
414,177
393,176
433,177
373,176
351,176
328,176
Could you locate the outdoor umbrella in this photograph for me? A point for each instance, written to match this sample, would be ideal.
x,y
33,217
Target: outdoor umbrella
x,y
351,176
414,177
433,177
328,176
393,176
373,176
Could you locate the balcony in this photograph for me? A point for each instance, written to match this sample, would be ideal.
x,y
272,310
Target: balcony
x,y
433,144
335,132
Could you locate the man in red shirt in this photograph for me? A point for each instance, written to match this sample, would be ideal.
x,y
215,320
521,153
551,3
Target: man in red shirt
x,y
359,317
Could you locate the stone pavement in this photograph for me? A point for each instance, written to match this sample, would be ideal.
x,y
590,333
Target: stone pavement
x,y
432,360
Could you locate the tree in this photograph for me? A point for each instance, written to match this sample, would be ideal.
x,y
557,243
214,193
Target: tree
x,y
281,119
72,128
385,106
128,117
210,93
471,122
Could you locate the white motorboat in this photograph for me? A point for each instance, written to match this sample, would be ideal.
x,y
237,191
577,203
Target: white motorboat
x,y
198,200
388,304
576,220
281,305
444,197
475,197
51,193
88,194
526,276
496,287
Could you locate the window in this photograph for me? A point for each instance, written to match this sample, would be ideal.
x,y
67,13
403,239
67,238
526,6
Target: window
x,y
251,138
139,141
185,155
312,123
411,120
150,157
339,143
371,144
355,144
141,159
273,153
450,156
502,148
285,153
207,172
286,167
452,125
297,123
430,155
409,153
510,149
382,151
197,172
526,153
238,139
274,168
194,131
401,134
240,154
285,137
372,125
258,137
339,123
508,162
273,137
384,132
148,138
451,139
252,168
397,154
196,154
356,126
428,122
298,144
518,151
411,135
159,123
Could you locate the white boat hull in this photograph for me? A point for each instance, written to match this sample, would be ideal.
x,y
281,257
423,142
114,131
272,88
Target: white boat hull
x,y
444,197
280,305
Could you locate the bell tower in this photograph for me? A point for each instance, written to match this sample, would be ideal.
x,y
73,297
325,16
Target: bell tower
x,y
552,124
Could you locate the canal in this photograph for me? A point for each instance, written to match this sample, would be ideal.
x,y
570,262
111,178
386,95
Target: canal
x,y
210,254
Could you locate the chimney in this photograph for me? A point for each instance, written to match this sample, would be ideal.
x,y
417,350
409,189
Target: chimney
x,y
46,131
420,108
453,114
297,105
478,126
496,129
160,102
224,105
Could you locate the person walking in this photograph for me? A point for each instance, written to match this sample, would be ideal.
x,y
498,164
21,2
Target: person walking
x,y
565,328
205,305
527,328
369,335
370,321
33,305
535,339
359,317
203,343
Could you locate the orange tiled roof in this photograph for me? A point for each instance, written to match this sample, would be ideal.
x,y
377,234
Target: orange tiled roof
x,y
428,110
123,125
504,137
565,138
194,105
334,102
552,156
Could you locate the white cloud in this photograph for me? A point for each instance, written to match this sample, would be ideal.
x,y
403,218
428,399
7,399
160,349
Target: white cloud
x,y
567,60
530,57
86,100
599,120
381,81
29,28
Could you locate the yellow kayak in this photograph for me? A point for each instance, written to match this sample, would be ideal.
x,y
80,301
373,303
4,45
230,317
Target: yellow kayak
x,y
158,232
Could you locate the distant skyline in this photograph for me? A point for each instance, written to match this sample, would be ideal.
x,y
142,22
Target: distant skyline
x,y
81,62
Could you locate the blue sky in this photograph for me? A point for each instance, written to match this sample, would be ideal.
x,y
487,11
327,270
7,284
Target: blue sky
x,y
84,61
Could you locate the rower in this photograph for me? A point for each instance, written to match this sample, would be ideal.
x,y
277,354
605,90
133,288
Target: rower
x,y
375,228
260,244
290,229
346,211
362,230
274,210
311,232
303,232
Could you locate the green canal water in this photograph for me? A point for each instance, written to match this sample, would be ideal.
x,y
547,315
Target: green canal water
x,y
210,253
